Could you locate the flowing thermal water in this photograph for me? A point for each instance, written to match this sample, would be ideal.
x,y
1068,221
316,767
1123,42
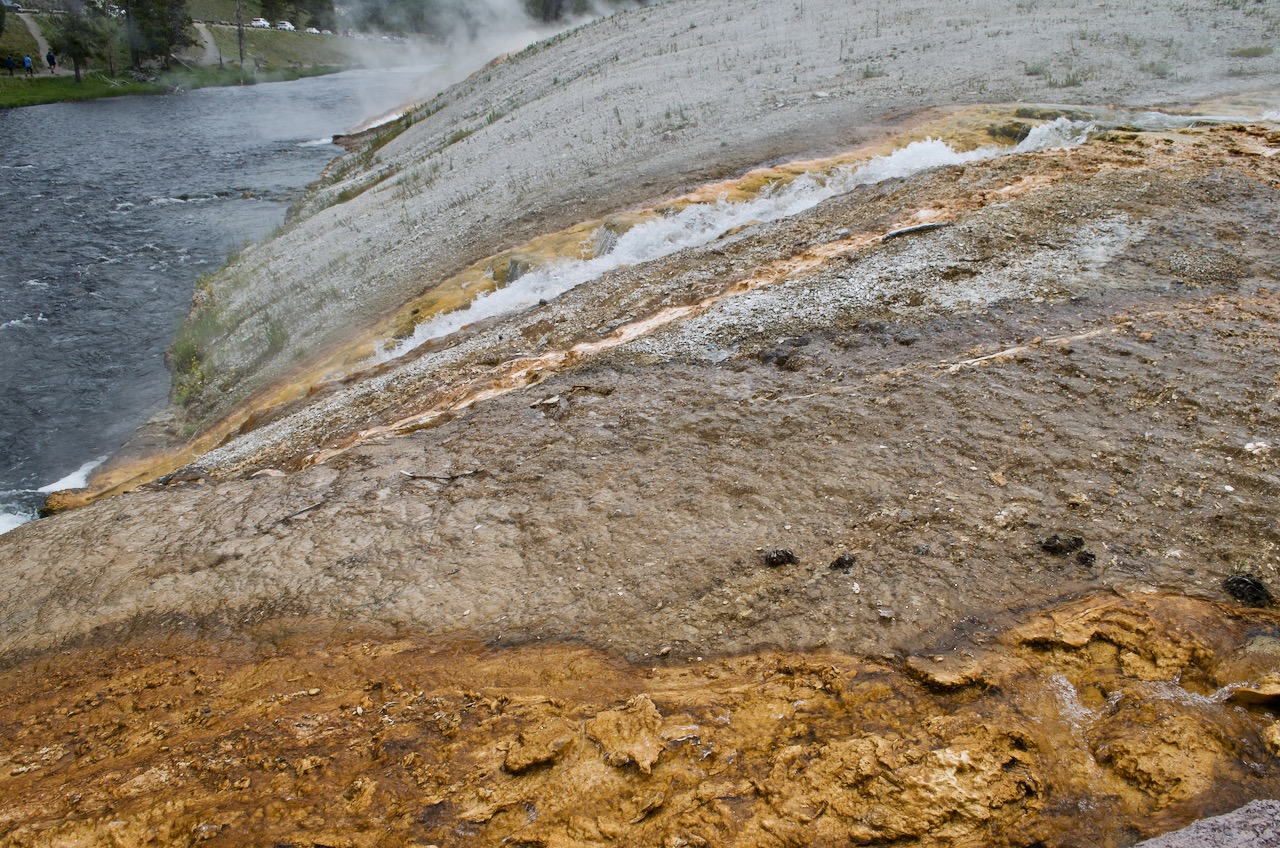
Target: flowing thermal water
x,y
702,223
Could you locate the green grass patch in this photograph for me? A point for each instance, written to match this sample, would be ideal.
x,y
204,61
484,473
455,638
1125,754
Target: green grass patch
x,y
187,356
274,49
1242,72
17,42
20,91
1156,69
211,76
355,190
389,133
1070,80
221,10
24,91
1255,52
277,336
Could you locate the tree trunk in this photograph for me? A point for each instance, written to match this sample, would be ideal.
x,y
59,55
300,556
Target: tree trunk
x,y
75,63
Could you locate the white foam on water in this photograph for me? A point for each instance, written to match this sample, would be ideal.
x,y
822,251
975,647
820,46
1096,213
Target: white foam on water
x,y
24,321
1069,705
702,223
1171,691
77,479
10,520
177,201
317,142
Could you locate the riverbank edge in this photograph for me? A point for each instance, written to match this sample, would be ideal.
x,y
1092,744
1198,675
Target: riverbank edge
x,y
42,91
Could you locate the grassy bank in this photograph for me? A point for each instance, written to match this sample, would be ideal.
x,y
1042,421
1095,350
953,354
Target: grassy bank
x,y
23,91
206,77
274,48
17,41
270,56
33,91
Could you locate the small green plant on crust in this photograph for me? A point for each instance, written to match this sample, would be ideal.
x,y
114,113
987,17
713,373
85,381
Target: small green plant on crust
x,y
277,336
187,357
1254,52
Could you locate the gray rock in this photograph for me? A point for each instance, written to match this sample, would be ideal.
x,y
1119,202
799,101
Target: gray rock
x,y
1255,825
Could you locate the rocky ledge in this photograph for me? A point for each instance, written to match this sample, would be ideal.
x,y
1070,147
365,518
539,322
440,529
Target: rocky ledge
x,y
1115,716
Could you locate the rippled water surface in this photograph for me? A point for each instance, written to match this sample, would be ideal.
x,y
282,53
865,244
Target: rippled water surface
x,y
111,210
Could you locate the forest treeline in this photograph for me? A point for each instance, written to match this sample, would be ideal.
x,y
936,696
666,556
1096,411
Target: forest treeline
x,y
154,30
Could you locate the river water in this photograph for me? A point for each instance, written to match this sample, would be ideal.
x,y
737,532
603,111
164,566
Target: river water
x,y
111,210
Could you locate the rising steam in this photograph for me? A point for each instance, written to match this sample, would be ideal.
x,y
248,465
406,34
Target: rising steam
x,y
459,37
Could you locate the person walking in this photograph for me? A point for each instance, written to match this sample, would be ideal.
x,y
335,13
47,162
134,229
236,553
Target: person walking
x,y
26,64
52,60
9,64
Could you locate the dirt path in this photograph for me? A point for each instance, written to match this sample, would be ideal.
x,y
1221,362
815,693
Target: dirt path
x,y
211,54
42,46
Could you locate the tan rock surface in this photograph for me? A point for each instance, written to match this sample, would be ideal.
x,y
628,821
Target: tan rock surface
x,y
410,740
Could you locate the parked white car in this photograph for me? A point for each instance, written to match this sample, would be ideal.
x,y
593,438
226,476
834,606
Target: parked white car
x,y
260,23
285,26
312,30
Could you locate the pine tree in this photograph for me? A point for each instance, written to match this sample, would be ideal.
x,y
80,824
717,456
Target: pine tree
x,y
163,27
79,35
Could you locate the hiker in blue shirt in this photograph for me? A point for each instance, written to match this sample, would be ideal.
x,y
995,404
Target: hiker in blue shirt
x,y
26,63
